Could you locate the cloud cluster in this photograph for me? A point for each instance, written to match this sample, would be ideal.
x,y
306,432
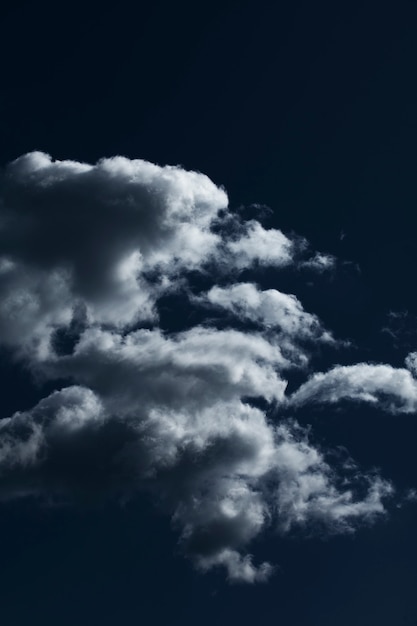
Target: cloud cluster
x,y
222,471
110,235
114,236
196,418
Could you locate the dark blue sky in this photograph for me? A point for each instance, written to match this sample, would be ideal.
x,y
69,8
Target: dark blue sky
x,y
308,108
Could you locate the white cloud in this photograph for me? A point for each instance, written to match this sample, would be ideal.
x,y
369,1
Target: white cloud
x,y
222,471
189,368
87,251
271,309
382,385
239,568
307,490
97,231
257,245
114,237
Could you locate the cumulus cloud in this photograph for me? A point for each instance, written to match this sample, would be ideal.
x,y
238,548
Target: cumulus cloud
x,y
222,471
113,236
197,418
98,233
271,309
191,367
263,247
381,385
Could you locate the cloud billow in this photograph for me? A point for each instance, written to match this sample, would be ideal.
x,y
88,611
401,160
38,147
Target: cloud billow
x,y
87,252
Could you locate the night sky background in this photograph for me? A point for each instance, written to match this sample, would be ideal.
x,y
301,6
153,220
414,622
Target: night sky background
x,y
308,108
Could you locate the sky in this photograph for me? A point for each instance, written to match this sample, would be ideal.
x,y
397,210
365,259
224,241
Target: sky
x,y
208,320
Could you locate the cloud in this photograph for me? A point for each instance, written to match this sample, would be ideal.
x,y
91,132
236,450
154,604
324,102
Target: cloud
x,y
72,232
271,309
197,418
263,247
114,236
320,262
411,363
190,368
222,471
384,386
